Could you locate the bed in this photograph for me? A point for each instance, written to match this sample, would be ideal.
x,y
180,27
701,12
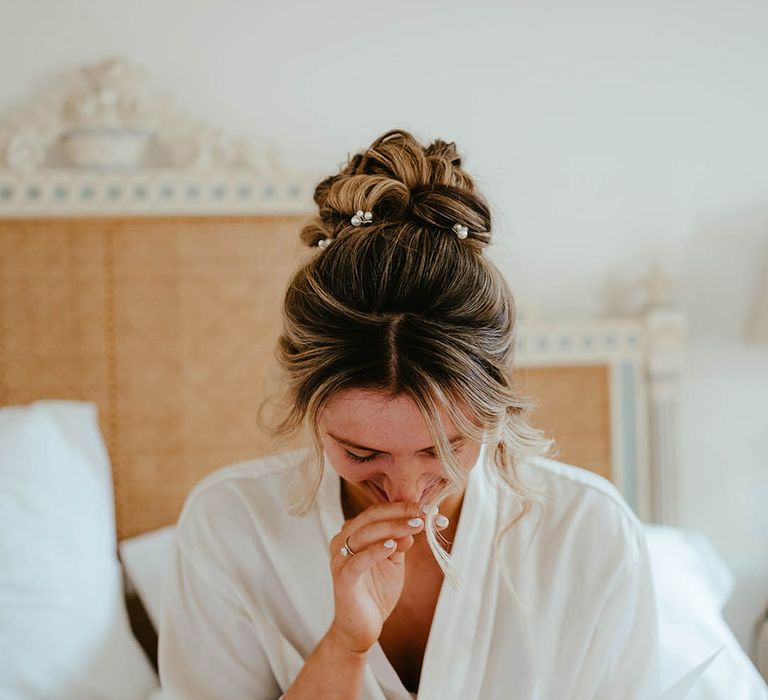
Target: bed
x,y
139,307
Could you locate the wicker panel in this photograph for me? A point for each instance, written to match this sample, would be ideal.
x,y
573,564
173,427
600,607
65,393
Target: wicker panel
x,y
169,325
53,312
573,406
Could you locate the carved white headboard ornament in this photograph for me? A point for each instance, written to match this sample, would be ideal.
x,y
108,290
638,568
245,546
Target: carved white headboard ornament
x,y
104,142
108,117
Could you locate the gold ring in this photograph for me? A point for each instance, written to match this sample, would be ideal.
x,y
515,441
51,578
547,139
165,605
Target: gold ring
x,y
346,549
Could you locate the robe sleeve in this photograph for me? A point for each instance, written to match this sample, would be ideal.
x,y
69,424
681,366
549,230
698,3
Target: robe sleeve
x,y
208,648
624,653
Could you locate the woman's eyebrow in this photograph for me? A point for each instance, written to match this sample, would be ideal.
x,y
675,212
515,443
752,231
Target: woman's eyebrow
x,y
349,443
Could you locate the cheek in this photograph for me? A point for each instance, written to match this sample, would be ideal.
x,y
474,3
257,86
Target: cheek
x,y
352,473
469,455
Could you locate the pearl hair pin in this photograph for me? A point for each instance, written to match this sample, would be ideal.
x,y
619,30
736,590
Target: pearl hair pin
x,y
460,231
361,218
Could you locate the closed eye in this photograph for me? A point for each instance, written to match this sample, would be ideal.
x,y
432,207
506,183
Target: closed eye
x,y
358,458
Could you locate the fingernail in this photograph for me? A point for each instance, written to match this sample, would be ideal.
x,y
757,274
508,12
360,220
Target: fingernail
x,y
441,520
415,522
389,544
425,508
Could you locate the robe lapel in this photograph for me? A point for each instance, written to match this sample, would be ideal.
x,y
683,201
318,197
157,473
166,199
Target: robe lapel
x,y
460,636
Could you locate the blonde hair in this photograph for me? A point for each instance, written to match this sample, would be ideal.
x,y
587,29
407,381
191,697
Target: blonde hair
x,y
403,306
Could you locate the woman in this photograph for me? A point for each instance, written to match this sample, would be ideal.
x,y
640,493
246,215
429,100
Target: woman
x,y
321,573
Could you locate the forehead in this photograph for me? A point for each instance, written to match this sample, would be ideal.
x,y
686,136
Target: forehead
x,y
379,420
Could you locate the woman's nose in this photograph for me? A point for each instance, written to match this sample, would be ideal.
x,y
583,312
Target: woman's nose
x,y
407,489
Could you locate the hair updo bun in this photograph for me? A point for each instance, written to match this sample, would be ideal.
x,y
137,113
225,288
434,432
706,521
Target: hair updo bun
x,y
403,184
405,307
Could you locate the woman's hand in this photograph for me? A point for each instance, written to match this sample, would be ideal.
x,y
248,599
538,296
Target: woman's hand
x,y
368,584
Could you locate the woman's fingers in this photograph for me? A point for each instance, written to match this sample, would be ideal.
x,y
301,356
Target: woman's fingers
x,y
381,530
366,559
402,510
441,522
361,533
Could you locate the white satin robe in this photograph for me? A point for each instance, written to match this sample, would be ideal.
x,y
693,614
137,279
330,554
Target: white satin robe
x,y
249,594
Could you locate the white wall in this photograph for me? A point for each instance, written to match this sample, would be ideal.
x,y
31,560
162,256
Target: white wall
x,y
605,134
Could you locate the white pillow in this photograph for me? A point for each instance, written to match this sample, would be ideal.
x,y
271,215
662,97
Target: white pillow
x,y
64,629
145,560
